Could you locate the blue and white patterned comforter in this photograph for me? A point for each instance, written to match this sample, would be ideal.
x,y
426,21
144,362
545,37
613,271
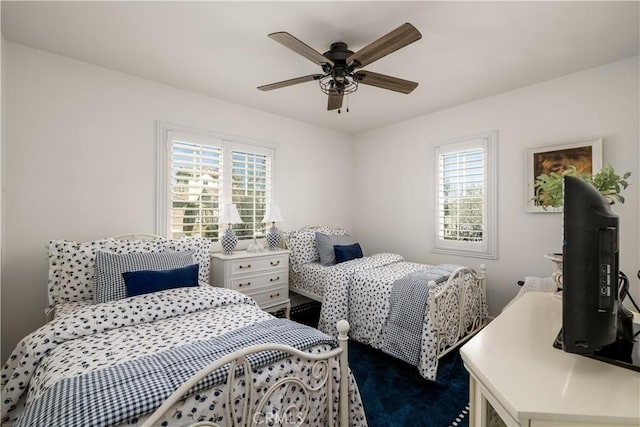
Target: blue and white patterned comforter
x,y
359,291
105,335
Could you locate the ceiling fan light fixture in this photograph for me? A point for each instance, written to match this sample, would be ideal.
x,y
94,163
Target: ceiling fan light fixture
x,y
343,85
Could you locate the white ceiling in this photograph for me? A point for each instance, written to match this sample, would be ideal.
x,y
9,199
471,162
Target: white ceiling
x,y
468,50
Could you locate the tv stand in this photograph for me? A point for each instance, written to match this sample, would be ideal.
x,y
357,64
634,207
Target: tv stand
x,y
514,368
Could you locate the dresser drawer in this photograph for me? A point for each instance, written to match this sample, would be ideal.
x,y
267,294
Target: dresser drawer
x,y
247,284
245,266
270,296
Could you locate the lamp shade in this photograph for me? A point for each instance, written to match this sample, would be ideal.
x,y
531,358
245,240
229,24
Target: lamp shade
x,y
229,215
273,214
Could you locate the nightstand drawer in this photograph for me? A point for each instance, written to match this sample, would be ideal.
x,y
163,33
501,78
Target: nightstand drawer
x,y
249,283
250,265
270,296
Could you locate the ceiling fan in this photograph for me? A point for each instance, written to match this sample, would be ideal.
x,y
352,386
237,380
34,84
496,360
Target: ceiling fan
x,y
339,76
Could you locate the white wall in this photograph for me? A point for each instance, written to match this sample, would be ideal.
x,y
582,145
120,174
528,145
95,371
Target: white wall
x,y
393,183
81,164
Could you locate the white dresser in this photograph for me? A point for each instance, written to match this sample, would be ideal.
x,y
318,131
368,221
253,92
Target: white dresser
x,y
264,276
514,367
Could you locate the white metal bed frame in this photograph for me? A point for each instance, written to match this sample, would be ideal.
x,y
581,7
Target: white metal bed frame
x,y
320,370
461,286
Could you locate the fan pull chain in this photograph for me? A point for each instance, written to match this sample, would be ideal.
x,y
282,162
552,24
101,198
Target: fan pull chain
x,y
340,110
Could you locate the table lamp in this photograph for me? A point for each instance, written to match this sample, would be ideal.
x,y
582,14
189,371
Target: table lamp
x,y
273,215
229,215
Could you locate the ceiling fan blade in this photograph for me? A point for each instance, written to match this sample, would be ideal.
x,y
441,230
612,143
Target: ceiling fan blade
x,y
300,47
385,82
290,82
335,101
396,39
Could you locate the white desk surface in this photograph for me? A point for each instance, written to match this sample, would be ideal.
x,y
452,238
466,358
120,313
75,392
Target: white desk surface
x,y
514,359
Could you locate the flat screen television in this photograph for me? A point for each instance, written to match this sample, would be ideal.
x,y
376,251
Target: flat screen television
x,y
589,269
594,321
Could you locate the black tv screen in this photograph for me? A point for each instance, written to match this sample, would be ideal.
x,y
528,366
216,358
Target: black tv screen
x,y
590,269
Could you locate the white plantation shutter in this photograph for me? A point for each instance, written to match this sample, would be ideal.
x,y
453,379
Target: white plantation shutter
x,y
198,173
465,196
461,195
196,189
251,189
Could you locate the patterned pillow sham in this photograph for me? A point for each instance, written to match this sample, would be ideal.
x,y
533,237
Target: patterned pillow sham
x,y
109,283
72,265
302,244
325,244
201,248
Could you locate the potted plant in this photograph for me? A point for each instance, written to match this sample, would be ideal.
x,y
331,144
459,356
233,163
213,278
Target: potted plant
x,y
549,194
548,187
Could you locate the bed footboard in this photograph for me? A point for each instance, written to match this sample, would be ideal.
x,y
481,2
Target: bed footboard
x,y
458,308
254,413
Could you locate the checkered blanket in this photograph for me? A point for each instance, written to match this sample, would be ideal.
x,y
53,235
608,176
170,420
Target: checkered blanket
x,y
407,306
137,387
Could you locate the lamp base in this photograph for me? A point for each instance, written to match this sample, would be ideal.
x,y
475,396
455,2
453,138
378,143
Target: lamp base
x,y
273,238
228,241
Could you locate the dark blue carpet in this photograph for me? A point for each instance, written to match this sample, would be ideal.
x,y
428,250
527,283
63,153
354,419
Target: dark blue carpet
x,y
394,394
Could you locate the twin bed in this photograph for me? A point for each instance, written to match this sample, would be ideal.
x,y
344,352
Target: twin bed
x,y
412,311
210,354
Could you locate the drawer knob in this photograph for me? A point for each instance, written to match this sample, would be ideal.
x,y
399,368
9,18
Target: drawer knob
x,y
274,263
244,284
273,280
245,266
274,295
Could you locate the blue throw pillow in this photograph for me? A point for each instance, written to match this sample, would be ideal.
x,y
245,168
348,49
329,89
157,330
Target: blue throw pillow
x,y
347,252
148,281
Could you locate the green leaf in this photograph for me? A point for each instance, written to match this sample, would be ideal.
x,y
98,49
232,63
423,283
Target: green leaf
x,y
548,190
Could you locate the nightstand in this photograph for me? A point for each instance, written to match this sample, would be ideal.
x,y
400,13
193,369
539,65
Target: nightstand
x,y
264,276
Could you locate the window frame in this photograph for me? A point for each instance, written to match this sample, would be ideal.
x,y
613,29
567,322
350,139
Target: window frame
x,y
488,247
166,132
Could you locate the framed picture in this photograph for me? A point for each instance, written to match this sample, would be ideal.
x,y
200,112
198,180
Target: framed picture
x,y
584,154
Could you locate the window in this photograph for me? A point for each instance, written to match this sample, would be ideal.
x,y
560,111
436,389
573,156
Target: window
x,y
199,172
466,179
